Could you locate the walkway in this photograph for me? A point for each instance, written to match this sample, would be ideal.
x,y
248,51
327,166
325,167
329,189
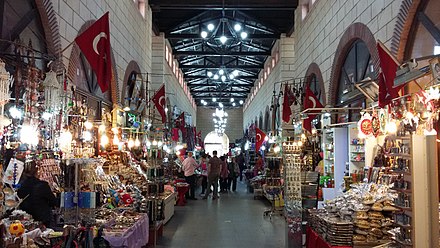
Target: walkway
x,y
233,220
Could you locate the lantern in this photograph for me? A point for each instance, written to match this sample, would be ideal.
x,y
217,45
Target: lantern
x,y
52,92
16,228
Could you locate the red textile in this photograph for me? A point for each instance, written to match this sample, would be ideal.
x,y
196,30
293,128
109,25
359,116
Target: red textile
x,y
94,43
259,139
159,102
288,99
315,241
388,65
310,101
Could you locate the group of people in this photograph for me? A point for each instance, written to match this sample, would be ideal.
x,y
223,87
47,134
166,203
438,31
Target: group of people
x,y
214,170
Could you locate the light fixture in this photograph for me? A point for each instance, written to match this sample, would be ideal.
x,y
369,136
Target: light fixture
x,y
223,39
88,125
104,140
101,128
233,104
115,140
209,74
235,72
214,99
15,113
221,72
154,142
391,127
223,78
204,34
220,105
241,102
237,27
130,143
87,136
215,77
137,142
166,110
210,26
232,99
47,115
159,143
65,139
29,135
231,76
243,35
205,103
127,108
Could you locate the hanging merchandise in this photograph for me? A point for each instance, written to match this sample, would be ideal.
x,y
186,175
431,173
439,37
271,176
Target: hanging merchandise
x,y
365,125
52,92
6,81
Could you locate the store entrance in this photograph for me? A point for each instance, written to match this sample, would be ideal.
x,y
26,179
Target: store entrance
x,y
216,142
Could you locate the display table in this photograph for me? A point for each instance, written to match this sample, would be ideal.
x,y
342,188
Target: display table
x,y
169,202
315,241
135,236
182,188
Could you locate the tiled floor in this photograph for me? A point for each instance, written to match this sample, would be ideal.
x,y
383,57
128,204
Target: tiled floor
x,y
233,220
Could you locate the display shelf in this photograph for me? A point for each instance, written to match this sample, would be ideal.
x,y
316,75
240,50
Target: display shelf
x,y
356,153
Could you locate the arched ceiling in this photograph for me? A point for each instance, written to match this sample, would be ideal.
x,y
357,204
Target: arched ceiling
x,y
240,59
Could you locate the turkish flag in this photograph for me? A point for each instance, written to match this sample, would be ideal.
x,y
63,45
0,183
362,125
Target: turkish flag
x,y
180,121
388,66
259,139
310,101
94,43
159,102
288,99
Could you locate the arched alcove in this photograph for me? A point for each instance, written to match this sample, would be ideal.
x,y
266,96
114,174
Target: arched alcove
x,y
215,142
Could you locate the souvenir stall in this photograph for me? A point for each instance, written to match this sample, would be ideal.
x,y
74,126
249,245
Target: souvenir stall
x,y
393,152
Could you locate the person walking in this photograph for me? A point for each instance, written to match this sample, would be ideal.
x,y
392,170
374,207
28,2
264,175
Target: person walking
x,y
233,175
240,162
204,168
224,174
189,165
214,166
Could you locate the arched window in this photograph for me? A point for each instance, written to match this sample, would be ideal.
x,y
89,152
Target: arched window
x,y
424,38
356,67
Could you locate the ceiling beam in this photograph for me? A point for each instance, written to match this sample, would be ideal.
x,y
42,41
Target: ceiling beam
x,y
206,77
217,66
157,5
221,91
193,85
20,27
198,37
226,98
227,53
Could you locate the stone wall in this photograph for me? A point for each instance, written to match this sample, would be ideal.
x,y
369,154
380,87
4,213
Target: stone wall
x,y
130,32
163,73
317,37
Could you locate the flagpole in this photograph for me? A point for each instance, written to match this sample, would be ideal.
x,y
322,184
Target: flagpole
x,y
69,45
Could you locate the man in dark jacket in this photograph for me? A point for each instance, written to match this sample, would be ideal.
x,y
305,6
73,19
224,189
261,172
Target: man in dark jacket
x,y
39,197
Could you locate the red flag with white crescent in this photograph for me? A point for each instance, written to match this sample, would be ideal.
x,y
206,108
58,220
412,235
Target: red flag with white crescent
x,y
259,139
310,101
94,43
288,99
159,102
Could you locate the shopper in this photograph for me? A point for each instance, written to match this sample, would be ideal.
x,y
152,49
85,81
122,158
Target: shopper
x,y
233,175
214,166
38,197
224,174
258,165
189,165
204,168
240,162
